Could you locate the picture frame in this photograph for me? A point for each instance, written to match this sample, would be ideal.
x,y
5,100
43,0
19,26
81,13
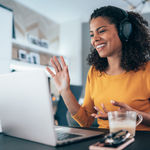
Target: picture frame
x,y
34,58
22,55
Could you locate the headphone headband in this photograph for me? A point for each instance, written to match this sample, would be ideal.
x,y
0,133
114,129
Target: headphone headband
x,y
124,12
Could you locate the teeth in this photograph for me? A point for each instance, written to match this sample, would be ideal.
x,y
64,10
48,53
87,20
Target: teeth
x,y
99,46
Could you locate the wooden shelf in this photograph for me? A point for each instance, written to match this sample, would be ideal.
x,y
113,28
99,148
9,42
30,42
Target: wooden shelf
x,y
32,47
18,65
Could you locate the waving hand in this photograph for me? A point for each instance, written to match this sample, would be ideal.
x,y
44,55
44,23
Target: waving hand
x,y
61,75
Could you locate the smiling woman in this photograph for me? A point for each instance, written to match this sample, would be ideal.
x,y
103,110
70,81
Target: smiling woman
x,y
132,31
119,62
104,37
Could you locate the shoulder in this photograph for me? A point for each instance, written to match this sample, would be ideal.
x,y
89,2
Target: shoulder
x,y
92,71
148,64
145,72
147,67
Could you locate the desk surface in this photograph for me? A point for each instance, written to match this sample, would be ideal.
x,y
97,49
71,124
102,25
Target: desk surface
x,y
142,142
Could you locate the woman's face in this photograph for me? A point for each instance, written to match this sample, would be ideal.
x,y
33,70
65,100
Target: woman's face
x,y
104,38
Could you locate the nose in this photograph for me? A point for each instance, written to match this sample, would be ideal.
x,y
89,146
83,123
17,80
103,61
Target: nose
x,y
96,37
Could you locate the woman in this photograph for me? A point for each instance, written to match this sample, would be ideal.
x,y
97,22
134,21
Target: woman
x,y
119,77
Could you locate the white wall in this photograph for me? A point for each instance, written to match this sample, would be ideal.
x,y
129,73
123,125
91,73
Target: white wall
x,y
5,39
147,17
70,46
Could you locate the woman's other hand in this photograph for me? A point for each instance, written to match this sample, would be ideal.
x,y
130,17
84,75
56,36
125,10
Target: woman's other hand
x,y
122,106
61,75
102,114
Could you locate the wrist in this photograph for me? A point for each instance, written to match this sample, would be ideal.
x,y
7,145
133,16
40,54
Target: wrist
x,y
65,91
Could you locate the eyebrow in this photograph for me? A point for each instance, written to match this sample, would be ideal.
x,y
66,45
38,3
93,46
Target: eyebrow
x,y
99,28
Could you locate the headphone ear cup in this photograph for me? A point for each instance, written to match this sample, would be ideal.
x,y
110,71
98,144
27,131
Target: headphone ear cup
x,y
125,30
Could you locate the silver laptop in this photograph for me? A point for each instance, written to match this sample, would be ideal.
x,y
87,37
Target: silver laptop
x,y
26,110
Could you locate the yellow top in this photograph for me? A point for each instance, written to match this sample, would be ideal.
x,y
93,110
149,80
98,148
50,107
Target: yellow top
x,y
132,88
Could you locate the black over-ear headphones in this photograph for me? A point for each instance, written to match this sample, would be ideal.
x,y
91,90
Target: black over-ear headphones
x,y
125,27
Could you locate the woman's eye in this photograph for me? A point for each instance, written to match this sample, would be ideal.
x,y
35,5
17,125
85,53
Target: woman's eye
x,y
101,31
91,35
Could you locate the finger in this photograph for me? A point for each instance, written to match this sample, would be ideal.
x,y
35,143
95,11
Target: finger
x,y
116,103
66,69
54,65
104,108
99,116
62,61
101,113
51,72
119,104
95,115
96,108
122,109
57,63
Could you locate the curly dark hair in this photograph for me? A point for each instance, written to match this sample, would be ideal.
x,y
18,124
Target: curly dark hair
x,y
135,51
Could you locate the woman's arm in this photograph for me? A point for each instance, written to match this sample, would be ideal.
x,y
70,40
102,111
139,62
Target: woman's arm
x,y
62,83
70,101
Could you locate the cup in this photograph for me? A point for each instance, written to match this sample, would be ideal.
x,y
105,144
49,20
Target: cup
x,y
124,120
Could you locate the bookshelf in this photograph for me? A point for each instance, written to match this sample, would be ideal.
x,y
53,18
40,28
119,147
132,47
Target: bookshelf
x,y
44,53
31,47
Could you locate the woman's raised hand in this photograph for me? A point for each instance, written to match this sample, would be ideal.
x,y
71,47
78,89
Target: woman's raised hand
x,y
61,75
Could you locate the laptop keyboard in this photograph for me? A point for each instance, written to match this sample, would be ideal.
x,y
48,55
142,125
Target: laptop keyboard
x,y
64,136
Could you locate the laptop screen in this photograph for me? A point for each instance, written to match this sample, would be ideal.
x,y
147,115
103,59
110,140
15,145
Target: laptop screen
x,y
25,106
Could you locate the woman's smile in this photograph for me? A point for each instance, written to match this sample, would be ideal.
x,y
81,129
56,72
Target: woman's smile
x,y
100,47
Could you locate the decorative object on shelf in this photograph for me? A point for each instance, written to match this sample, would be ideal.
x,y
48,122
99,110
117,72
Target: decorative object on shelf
x,y
22,55
35,58
29,58
44,43
35,40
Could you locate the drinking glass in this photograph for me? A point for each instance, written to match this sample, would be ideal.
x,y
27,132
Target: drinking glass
x,y
124,120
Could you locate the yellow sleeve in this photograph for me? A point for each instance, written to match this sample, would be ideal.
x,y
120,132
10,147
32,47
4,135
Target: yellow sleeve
x,y
83,116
